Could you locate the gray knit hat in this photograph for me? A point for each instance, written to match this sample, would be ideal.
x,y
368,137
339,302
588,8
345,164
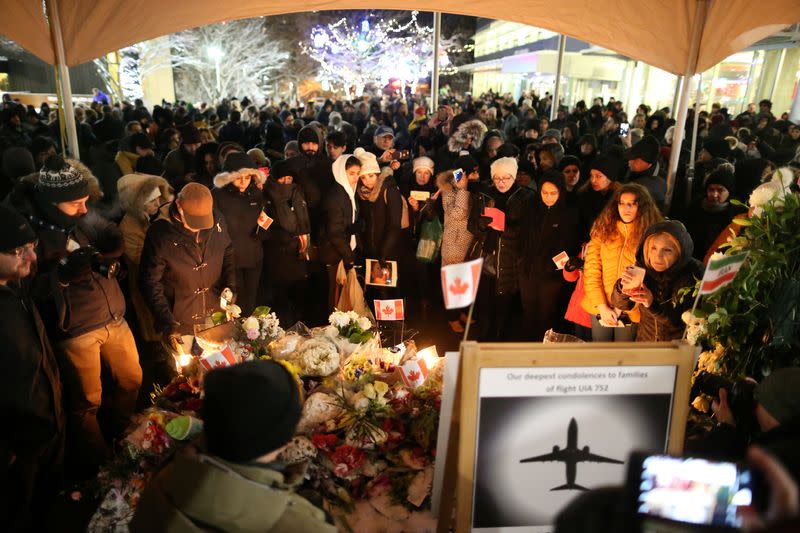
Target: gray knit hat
x,y
61,182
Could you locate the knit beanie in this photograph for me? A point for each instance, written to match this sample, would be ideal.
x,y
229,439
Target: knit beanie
x,y
307,135
422,162
569,160
369,163
467,163
504,165
777,394
14,229
717,148
249,410
61,182
722,176
282,168
553,133
610,166
236,161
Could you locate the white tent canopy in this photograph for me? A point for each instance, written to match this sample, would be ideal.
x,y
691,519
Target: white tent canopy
x,y
657,32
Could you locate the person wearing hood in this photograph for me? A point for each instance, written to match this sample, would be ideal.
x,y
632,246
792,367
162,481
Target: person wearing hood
x,y
140,145
550,226
81,302
709,215
180,165
340,231
286,243
595,193
498,291
237,195
665,252
143,199
468,137
236,480
187,261
17,163
570,138
643,168
587,152
380,205
570,167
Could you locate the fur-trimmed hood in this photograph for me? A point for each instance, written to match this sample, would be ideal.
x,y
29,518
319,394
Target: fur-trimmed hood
x,y
226,178
471,129
135,188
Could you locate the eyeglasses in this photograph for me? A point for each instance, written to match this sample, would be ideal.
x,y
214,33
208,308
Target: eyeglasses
x,y
503,180
22,250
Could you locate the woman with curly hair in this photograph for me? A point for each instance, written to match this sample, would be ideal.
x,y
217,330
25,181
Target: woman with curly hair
x,y
612,247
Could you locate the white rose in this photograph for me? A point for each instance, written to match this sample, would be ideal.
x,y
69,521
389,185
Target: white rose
x,y
763,194
251,323
364,323
319,357
339,319
352,316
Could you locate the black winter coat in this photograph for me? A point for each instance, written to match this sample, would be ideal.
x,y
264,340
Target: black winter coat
x,y
241,211
382,212
500,250
662,320
548,231
337,227
76,308
181,278
705,226
31,407
286,205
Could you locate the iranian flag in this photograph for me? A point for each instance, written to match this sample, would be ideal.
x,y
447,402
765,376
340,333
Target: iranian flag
x,y
389,309
720,271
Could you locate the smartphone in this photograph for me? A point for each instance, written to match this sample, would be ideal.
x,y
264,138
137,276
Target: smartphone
x,y
686,490
401,154
458,174
637,274
624,128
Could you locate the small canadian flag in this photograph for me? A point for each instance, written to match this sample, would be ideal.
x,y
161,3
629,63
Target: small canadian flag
x,y
218,359
460,283
389,309
414,372
264,221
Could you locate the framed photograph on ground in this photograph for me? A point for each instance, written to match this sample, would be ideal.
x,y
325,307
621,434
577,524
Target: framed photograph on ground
x,y
539,424
381,274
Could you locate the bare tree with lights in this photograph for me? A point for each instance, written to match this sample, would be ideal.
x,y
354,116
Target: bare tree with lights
x,y
236,58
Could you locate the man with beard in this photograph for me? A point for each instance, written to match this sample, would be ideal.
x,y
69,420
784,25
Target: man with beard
x,y
31,409
84,310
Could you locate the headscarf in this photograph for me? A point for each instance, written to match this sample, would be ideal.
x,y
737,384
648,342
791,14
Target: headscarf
x,y
340,175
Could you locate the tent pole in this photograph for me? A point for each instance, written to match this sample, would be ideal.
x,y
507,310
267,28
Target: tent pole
x,y
562,45
693,154
794,114
437,37
777,74
678,81
64,86
701,10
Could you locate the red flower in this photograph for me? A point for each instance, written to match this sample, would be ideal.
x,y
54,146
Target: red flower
x,y
324,442
350,456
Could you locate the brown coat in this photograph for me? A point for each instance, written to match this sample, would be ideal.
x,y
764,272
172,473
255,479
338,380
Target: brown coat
x,y
133,191
456,239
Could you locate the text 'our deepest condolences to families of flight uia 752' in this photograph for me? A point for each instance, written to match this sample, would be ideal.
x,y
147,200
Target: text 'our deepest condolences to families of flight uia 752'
x,y
576,381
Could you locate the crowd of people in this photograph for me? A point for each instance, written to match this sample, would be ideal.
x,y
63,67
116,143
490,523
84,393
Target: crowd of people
x,y
172,211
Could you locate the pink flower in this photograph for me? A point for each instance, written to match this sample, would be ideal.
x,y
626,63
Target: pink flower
x,y
341,470
252,334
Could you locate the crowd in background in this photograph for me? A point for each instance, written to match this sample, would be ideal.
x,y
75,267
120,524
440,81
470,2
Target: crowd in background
x,y
278,203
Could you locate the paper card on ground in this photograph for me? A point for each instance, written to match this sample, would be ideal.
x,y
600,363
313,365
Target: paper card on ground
x,y
218,359
389,309
72,245
460,283
264,221
560,260
498,218
420,196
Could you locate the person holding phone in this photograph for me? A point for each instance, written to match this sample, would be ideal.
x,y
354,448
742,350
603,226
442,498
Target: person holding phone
x,y
665,253
614,239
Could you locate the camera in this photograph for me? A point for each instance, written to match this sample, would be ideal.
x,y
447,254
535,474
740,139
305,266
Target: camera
x,y
741,397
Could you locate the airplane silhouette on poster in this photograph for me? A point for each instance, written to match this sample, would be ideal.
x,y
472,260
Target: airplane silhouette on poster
x,y
571,456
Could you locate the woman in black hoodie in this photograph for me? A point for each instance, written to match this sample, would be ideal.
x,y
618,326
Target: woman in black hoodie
x,y
551,227
286,242
665,252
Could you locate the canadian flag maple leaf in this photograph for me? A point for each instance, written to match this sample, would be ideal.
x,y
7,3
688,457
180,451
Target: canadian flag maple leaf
x,y
388,310
458,286
413,376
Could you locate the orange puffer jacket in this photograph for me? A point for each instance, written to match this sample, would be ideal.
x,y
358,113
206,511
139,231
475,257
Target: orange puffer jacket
x,y
605,263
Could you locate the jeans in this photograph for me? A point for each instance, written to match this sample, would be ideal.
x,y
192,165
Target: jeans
x,y
601,333
83,358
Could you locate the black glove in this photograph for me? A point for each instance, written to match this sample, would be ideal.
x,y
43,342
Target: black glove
x,y
110,243
77,266
172,337
574,263
483,223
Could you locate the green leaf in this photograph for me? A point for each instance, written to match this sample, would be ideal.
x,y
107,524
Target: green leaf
x,y
219,318
742,221
261,310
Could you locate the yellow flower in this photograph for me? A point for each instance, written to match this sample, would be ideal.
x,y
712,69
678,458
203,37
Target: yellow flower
x,y
381,388
369,391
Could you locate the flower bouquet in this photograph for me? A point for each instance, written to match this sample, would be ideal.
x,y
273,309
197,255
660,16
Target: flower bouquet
x,y
257,331
349,330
